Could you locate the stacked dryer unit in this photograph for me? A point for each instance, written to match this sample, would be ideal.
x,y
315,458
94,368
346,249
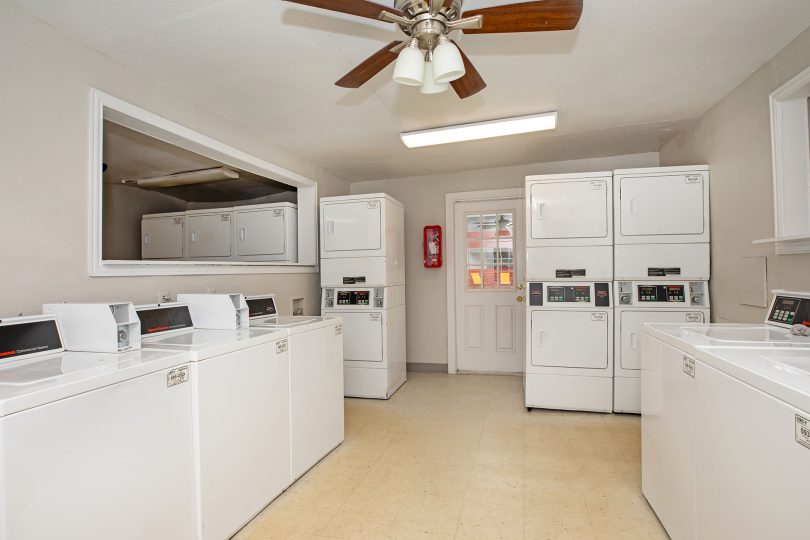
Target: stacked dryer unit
x,y
569,269
363,280
662,262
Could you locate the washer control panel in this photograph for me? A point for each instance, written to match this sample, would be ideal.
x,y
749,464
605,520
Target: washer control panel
x,y
790,310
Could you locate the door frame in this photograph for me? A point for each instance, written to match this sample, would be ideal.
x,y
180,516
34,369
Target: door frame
x,y
450,200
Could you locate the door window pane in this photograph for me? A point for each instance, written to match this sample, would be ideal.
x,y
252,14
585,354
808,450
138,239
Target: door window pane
x,y
490,251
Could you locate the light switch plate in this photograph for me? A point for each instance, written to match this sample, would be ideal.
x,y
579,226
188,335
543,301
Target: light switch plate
x,y
752,281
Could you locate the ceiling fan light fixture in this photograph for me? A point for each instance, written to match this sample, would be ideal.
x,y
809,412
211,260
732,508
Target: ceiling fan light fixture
x,y
430,86
480,130
410,67
448,65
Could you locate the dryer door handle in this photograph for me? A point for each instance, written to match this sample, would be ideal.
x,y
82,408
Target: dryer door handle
x,y
632,341
541,338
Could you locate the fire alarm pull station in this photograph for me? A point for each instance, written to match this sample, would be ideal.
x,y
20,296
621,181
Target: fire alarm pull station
x,y
432,238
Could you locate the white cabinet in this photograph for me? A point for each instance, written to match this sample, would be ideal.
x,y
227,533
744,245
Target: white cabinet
x,y
668,437
210,233
662,205
570,210
163,236
267,232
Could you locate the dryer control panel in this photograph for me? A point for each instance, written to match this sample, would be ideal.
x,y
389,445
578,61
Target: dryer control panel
x,y
569,295
353,298
671,294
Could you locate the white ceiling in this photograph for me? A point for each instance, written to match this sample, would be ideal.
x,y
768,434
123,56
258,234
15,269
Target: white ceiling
x,y
634,71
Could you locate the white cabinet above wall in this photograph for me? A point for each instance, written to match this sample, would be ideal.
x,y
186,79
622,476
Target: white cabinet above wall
x,y
185,168
790,135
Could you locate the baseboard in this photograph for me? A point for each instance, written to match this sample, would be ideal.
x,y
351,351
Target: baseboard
x,y
426,368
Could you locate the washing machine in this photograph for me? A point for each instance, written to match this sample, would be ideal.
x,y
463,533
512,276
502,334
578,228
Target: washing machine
x,y
670,364
569,360
92,445
316,381
570,229
374,338
240,406
643,302
362,241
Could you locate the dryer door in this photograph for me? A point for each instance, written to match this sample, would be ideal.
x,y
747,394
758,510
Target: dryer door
x,y
629,331
662,205
352,226
566,209
570,339
362,336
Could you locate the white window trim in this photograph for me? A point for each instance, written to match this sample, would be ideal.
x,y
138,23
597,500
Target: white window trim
x,y
783,103
152,124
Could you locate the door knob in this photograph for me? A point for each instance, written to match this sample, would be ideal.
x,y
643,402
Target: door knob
x,y
520,299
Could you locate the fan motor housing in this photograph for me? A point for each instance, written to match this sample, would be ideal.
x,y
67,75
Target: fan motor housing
x,y
412,8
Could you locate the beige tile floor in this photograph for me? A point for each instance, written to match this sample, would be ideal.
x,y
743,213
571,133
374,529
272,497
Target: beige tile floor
x,y
460,457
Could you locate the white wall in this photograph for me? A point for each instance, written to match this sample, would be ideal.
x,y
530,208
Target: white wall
x,y
424,200
734,139
45,138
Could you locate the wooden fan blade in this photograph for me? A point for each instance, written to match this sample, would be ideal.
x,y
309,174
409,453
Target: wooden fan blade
x,y
370,67
471,83
361,8
540,16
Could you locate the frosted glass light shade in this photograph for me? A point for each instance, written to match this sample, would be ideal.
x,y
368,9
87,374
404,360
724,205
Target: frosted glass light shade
x,y
430,86
447,63
410,67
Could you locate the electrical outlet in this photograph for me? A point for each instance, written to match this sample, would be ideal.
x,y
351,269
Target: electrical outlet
x,y
297,306
164,297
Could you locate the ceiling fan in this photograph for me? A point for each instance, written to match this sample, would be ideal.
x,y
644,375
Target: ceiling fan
x,y
428,57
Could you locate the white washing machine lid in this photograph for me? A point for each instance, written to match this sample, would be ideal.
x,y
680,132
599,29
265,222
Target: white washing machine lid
x,y
36,381
203,343
295,324
781,372
689,338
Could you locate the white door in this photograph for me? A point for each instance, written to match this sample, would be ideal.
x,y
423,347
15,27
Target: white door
x,y
570,339
352,226
570,209
489,285
260,232
362,336
630,329
662,205
162,237
209,235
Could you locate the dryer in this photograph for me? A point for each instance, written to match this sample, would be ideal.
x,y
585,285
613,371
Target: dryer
x,y
362,241
569,344
657,206
374,338
639,303
86,438
316,381
240,406
570,232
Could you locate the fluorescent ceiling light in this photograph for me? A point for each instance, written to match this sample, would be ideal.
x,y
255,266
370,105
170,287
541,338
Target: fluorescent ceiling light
x,y
480,130
187,178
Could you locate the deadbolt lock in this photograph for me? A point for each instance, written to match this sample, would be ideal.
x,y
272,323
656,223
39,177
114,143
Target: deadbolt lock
x,y
520,286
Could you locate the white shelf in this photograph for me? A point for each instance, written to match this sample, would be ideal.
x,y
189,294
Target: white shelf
x,y
798,238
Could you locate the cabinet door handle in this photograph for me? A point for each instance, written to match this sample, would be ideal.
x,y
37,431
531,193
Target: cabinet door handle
x,y
242,234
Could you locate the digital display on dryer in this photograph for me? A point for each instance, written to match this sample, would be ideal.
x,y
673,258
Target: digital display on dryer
x,y
661,293
353,298
567,294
